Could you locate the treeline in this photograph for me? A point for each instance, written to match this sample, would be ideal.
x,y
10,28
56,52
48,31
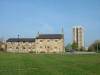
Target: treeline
x,y
95,46
74,46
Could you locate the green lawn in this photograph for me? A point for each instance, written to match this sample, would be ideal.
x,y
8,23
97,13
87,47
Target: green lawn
x,y
45,64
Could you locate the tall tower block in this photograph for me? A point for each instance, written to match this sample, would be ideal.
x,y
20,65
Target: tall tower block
x,y
78,36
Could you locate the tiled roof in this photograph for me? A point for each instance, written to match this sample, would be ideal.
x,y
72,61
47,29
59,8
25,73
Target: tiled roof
x,y
50,36
21,40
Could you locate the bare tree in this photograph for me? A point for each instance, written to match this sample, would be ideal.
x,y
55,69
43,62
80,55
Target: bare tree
x,y
1,39
2,44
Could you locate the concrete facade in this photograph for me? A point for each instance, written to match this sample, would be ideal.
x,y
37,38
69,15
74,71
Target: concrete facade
x,y
78,36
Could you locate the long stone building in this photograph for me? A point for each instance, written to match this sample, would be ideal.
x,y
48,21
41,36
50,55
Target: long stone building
x,y
43,43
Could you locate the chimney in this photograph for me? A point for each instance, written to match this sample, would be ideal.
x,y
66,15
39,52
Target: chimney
x,y
62,31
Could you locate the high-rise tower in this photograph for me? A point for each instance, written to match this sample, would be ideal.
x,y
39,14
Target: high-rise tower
x,y
78,36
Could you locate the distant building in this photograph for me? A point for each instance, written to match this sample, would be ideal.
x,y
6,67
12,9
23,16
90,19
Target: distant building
x,y
78,36
43,43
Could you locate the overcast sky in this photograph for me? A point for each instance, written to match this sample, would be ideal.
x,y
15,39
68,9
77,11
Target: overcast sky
x,y
27,17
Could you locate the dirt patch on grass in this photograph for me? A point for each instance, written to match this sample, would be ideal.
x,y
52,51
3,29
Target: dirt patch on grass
x,y
19,69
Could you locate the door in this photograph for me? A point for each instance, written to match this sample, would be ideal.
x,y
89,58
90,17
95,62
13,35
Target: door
x,y
48,49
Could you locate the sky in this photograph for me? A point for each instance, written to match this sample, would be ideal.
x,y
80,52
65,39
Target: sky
x,y
27,17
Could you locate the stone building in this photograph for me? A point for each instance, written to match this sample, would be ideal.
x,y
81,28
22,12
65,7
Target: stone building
x,y
21,45
50,43
43,43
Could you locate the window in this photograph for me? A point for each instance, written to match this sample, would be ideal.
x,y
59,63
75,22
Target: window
x,y
10,47
17,43
23,41
48,40
55,47
51,48
40,46
56,40
23,47
48,47
17,48
33,47
29,47
41,40
30,44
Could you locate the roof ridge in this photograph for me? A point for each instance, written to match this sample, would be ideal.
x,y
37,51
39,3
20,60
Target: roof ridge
x,y
50,34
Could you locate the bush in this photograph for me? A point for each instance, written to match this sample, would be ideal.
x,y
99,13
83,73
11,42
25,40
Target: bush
x,y
95,46
1,49
54,52
42,52
82,49
33,52
75,46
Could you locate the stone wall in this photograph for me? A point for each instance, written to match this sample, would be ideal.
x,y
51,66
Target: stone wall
x,y
39,46
21,47
49,45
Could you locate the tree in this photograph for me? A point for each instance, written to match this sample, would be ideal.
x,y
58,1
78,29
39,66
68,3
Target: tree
x,y
75,46
68,46
91,48
82,49
2,44
95,46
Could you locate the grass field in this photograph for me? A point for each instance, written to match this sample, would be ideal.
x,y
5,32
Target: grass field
x,y
45,64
